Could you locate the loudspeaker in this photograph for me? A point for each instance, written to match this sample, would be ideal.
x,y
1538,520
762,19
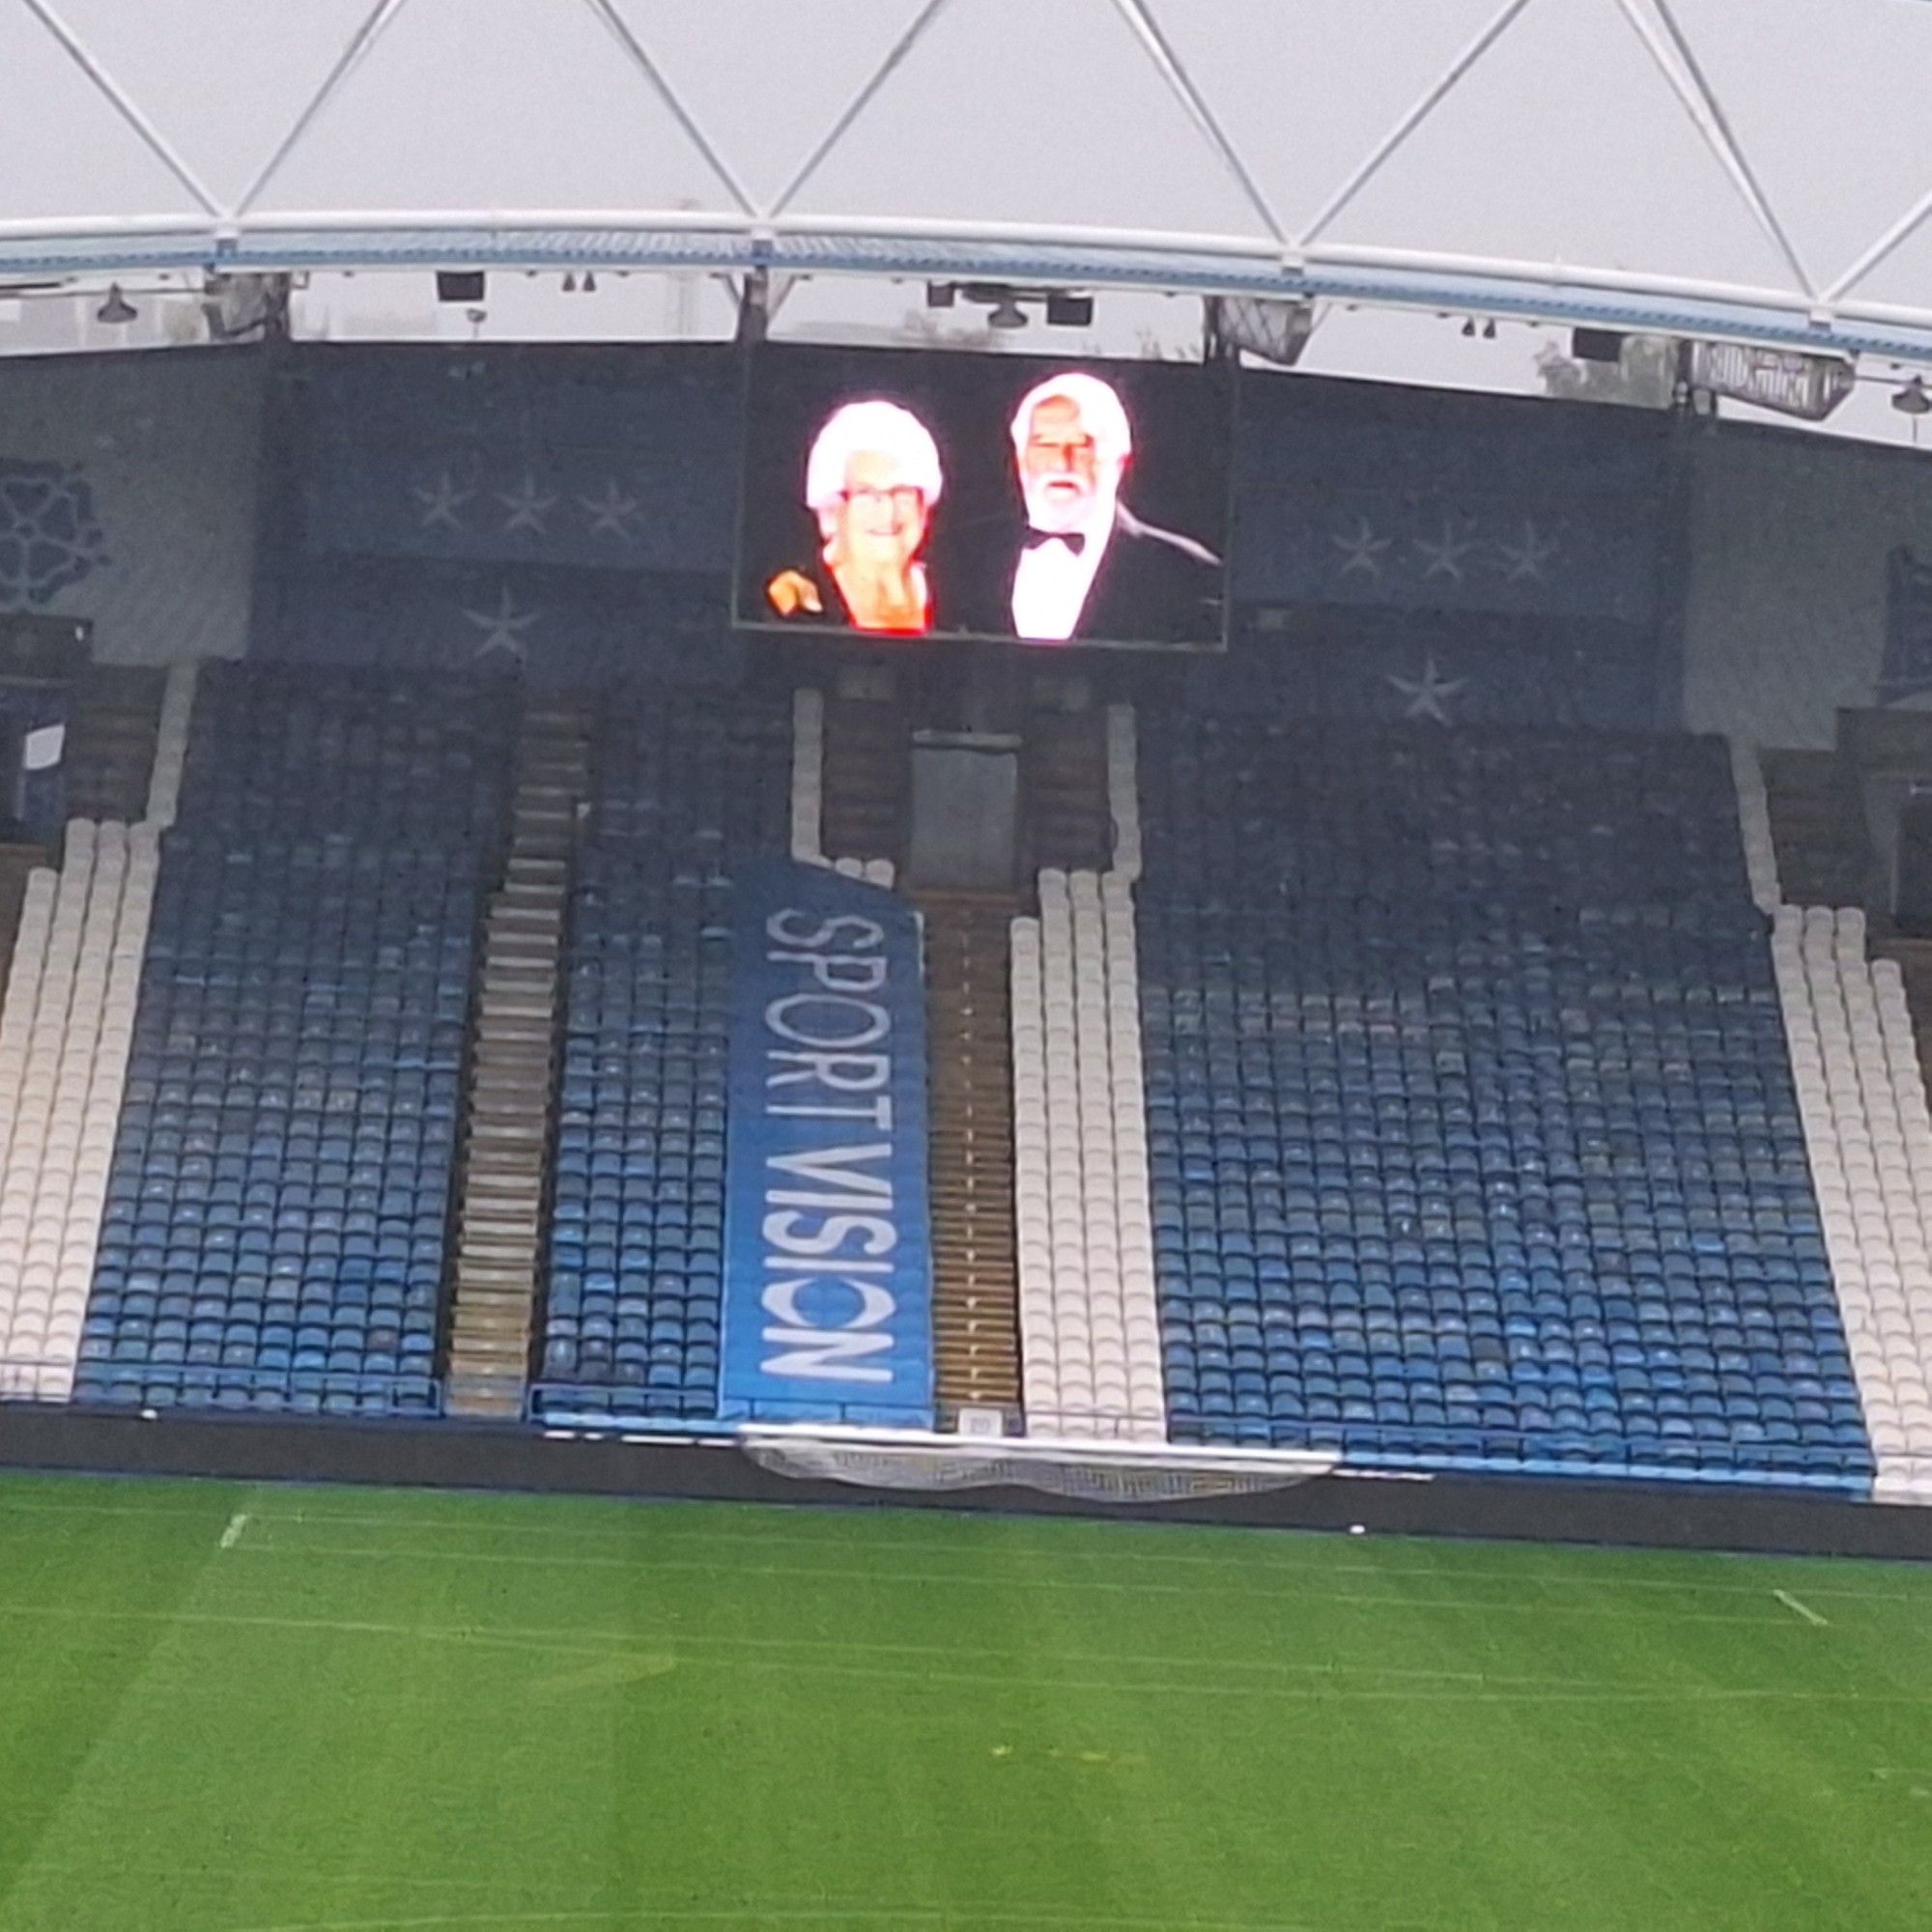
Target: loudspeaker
x,y
1068,311
458,285
1597,345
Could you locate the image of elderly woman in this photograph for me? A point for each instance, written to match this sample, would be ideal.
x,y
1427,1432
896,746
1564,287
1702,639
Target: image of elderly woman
x,y
870,482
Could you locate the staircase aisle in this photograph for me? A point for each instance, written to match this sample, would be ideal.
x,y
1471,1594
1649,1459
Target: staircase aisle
x,y
1820,842
109,756
1064,787
1914,959
16,862
109,762
513,1072
975,1292
867,778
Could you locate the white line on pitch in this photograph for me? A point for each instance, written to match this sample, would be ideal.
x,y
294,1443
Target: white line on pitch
x,y
232,1535
1805,1610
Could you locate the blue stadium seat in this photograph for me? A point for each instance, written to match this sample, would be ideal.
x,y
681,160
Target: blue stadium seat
x,y
274,1229
687,784
1472,1129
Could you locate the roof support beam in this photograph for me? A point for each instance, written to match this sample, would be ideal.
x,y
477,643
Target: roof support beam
x,y
1706,109
365,37
1141,19
1384,150
634,52
1888,243
858,105
151,136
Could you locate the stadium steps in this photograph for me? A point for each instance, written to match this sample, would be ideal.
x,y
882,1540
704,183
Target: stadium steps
x,y
513,1073
1820,842
976,1331
1063,780
1914,959
108,764
866,778
110,750
1089,1323
17,865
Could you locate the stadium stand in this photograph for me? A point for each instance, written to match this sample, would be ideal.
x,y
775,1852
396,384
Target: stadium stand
x,y
685,785
1871,1145
111,742
1064,788
1472,1129
867,777
276,1212
1813,816
62,1053
67,1025
1868,1134
976,1341
513,1072
808,774
1090,1335
17,864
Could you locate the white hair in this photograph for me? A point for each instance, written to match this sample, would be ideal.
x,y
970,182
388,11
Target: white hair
x,y
873,424
1102,414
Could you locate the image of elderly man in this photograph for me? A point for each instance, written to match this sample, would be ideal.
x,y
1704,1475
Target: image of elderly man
x,y
1083,565
871,480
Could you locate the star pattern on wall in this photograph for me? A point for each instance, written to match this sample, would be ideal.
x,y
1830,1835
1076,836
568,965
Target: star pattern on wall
x,y
1429,695
527,506
440,501
1526,558
503,628
610,514
1445,554
1362,551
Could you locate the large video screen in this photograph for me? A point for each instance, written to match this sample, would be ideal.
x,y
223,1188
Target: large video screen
x,y
935,495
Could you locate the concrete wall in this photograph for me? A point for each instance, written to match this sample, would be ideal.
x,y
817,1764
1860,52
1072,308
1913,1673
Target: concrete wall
x,y
161,447
1785,616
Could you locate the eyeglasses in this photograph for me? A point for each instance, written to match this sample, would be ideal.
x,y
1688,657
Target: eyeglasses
x,y
902,497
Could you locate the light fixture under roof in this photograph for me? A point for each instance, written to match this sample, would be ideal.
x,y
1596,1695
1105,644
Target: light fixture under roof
x,y
1007,313
1913,399
117,310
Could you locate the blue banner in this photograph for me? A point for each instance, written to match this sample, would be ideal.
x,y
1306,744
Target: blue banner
x,y
828,1255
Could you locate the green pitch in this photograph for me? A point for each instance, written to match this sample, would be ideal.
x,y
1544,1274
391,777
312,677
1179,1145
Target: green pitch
x,y
230,1709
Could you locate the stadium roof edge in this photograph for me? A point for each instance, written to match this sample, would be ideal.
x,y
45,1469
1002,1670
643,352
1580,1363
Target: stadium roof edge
x,y
1187,266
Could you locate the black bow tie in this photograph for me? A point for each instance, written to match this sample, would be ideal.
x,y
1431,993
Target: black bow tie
x,y
1074,540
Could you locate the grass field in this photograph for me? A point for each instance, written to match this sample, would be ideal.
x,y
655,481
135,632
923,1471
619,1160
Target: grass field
x,y
227,1708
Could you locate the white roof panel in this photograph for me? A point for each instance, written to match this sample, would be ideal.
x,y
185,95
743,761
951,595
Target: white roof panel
x,y
1828,109
781,92
226,134
1075,127
1522,162
1752,168
65,151
466,105
1304,88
